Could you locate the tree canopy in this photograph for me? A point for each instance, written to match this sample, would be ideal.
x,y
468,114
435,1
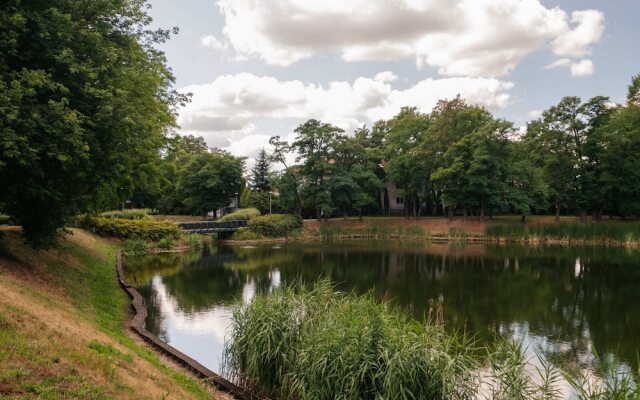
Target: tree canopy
x,y
85,105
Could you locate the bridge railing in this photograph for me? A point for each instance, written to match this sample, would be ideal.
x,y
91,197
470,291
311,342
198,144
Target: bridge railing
x,y
211,226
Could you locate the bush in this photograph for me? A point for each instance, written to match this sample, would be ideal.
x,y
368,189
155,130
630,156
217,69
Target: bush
x,y
244,214
145,229
245,234
134,213
194,241
166,243
275,225
5,219
135,246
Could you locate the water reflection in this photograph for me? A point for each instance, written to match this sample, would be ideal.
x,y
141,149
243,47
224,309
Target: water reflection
x,y
569,302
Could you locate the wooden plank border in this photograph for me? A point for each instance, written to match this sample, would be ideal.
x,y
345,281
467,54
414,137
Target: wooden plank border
x,y
137,325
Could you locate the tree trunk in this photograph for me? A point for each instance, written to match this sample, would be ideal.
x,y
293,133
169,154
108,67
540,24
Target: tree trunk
x,y
346,214
557,213
360,215
523,218
583,215
318,213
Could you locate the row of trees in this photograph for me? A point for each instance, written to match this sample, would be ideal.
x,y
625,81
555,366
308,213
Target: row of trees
x,y
578,157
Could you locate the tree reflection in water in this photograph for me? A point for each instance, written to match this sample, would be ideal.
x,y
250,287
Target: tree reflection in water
x,y
572,302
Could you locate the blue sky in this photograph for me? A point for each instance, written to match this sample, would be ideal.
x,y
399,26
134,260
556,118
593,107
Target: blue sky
x,y
259,68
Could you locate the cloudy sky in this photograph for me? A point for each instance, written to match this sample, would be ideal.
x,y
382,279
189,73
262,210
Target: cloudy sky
x,y
258,68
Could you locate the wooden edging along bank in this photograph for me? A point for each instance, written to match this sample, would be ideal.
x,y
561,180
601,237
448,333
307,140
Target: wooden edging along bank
x,y
137,325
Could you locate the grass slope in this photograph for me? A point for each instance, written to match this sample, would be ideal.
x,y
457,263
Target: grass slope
x,y
62,335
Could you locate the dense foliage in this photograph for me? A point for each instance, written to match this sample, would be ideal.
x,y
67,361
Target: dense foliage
x,y
578,157
275,225
85,103
243,214
145,229
132,213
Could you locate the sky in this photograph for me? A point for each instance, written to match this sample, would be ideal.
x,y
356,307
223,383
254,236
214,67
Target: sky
x,y
259,68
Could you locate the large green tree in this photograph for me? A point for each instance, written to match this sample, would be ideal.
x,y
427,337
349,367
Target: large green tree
x,y
208,181
315,143
85,103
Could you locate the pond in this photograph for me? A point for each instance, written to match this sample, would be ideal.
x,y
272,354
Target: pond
x,y
569,302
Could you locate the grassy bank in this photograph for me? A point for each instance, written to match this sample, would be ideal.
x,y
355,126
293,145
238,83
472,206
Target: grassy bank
x,y
62,328
609,233
310,342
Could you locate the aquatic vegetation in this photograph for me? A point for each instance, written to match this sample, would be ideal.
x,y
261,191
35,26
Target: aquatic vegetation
x,y
311,342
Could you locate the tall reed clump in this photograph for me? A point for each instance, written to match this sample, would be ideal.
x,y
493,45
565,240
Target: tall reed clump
x,y
309,342
608,232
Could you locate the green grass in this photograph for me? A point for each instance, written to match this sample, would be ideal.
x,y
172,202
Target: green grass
x,y
612,232
96,292
95,297
335,232
311,342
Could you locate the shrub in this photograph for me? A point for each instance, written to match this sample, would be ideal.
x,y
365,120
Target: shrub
x,y
145,229
244,214
134,213
245,234
135,246
194,241
166,243
275,225
5,219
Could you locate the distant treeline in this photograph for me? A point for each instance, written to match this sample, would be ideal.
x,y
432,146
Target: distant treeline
x,y
578,158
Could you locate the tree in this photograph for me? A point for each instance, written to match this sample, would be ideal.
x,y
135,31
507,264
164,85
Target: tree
x,y
353,181
407,165
315,143
209,181
633,94
85,101
621,161
259,180
289,181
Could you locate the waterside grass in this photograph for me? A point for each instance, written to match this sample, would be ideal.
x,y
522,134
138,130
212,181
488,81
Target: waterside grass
x,y
609,233
311,342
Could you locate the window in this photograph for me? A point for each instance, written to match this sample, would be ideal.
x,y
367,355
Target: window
x,y
399,200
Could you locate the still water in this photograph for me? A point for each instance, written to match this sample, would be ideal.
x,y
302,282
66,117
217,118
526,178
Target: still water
x,y
569,302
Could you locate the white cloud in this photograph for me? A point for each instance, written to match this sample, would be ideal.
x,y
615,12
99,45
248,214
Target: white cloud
x,y
578,69
534,114
582,68
458,37
386,76
563,62
588,26
232,111
212,42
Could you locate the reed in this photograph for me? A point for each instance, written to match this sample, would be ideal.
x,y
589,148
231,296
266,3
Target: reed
x,y
607,232
310,342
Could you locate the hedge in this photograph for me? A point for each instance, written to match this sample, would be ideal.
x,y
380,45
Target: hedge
x,y
146,229
275,225
133,213
243,214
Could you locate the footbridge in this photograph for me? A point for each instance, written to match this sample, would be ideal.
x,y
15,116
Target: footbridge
x,y
211,226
